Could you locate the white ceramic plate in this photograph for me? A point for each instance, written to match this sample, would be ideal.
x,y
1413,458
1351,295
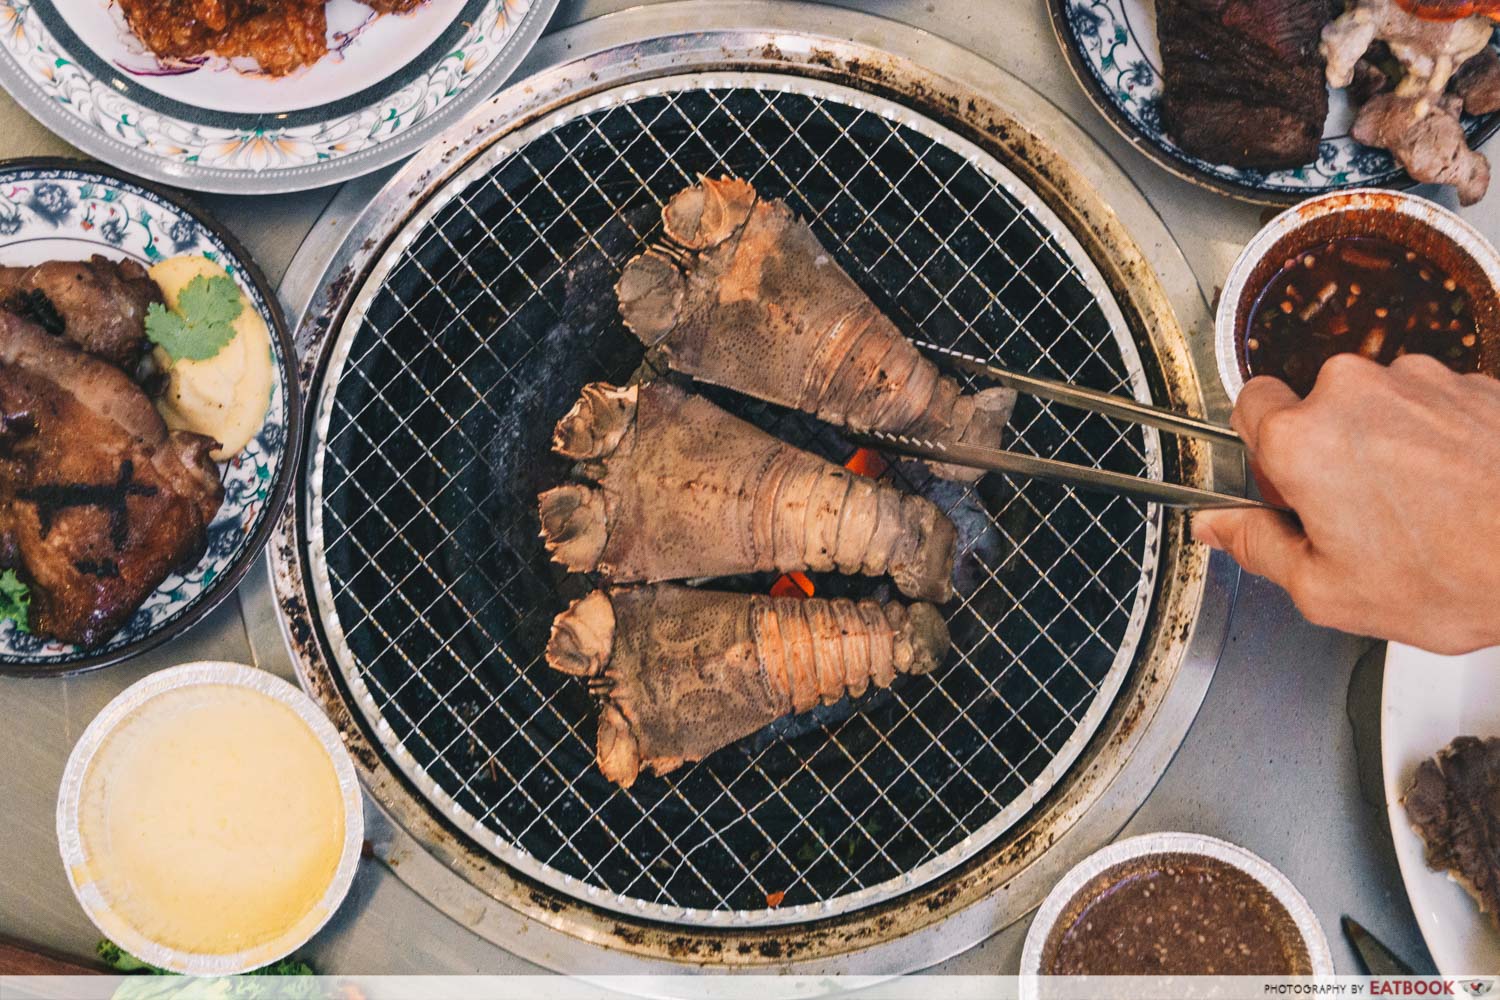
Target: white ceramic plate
x,y
58,210
1427,701
387,84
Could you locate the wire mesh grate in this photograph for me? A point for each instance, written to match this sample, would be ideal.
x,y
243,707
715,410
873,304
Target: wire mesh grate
x,y
479,338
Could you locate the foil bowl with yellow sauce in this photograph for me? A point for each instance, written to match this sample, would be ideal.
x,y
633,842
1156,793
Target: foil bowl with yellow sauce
x,y
210,819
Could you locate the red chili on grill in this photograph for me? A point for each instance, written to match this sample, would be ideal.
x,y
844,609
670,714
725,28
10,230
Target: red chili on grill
x,y
1358,294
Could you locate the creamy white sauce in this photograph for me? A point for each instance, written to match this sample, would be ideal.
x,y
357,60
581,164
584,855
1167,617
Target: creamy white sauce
x,y
212,821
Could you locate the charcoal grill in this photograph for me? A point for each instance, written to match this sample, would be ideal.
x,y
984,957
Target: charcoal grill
x,y
471,300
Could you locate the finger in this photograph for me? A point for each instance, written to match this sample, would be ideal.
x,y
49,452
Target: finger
x,y
1263,542
1261,397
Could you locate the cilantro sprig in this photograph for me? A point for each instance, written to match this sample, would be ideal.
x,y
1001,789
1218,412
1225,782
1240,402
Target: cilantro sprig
x,y
15,599
203,321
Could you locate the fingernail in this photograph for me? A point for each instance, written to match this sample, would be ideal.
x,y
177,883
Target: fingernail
x,y
1203,532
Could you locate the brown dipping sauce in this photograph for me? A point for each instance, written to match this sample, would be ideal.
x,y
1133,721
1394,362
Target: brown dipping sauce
x,y
1175,914
1359,294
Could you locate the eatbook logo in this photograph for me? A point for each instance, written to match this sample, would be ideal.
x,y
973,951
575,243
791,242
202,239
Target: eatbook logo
x,y
1478,987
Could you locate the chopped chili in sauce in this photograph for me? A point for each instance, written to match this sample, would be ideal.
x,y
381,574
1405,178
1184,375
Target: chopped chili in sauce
x,y
1358,294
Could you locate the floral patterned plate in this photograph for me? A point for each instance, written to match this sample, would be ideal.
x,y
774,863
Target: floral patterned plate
x,y
1111,47
67,210
388,84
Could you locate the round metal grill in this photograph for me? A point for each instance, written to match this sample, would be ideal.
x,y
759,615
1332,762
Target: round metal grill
x,y
474,334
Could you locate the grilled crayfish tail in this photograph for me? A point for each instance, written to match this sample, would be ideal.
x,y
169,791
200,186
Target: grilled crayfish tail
x,y
709,213
681,672
595,425
583,636
574,526
744,296
684,490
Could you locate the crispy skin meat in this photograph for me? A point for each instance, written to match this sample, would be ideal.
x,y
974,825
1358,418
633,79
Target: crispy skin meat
x,y
98,502
99,304
1244,79
1454,805
745,297
280,35
685,490
680,672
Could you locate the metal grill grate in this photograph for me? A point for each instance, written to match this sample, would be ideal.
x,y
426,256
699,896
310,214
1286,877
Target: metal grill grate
x,y
436,426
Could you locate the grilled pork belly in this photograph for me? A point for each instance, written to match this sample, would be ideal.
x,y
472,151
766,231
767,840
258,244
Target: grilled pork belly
x,y
685,490
745,297
680,672
1454,805
1243,79
98,502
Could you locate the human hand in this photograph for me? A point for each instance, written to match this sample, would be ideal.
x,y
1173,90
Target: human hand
x,y
1395,477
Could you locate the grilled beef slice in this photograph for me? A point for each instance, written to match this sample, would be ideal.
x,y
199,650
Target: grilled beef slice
x,y
1244,81
1454,805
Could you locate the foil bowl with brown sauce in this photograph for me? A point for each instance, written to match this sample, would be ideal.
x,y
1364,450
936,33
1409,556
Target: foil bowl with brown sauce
x,y
1174,904
1376,273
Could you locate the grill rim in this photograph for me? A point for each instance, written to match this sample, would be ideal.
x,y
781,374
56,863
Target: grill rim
x,y
901,935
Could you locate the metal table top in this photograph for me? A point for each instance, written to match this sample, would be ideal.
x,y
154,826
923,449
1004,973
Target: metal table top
x,y
1283,757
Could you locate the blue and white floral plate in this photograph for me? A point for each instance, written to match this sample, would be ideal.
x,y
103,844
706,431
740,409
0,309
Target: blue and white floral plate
x,y
65,210
1112,49
388,84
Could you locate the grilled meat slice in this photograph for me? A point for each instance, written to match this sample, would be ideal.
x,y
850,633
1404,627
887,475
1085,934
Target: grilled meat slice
x,y
685,490
98,502
745,297
1454,805
681,672
99,304
1244,79
1477,83
1427,139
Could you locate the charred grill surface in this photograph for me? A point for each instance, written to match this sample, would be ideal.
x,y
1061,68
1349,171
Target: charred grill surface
x,y
1244,82
439,441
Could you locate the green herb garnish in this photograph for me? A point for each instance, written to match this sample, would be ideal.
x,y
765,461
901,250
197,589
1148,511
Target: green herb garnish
x,y
15,599
121,961
202,323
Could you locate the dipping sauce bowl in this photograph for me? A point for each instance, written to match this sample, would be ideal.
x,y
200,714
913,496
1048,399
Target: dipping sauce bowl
x,y
210,819
1377,273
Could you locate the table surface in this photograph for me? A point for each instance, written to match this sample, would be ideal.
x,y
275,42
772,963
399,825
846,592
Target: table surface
x,y
1283,757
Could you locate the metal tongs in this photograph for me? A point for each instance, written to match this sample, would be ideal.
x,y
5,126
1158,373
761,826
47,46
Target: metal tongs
x,y
1080,476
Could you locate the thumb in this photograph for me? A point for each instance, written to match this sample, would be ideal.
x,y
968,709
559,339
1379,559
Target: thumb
x,y
1263,542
